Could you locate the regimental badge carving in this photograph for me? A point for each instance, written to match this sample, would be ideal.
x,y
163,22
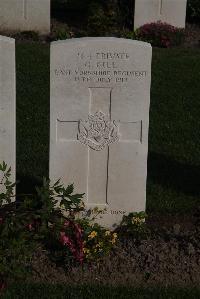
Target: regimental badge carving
x,y
98,131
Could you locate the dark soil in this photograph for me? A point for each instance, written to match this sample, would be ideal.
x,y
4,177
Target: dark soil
x,y
169,256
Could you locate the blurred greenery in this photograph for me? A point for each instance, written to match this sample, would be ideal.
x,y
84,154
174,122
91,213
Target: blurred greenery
x,y
193,11
95,14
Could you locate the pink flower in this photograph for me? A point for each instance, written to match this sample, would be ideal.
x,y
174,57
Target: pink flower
x,y
167,43
79,257
78,230
66,223
2,286
76,245
64,239
30,226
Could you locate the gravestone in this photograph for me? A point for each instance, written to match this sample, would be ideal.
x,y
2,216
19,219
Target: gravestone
x,y
7,104
100,95
172,12
23,15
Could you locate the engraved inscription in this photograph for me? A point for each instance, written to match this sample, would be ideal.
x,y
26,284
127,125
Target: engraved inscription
x,y
110,212
101,67
97,132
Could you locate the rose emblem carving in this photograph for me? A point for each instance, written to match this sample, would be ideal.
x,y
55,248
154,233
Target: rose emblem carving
x,y
98,131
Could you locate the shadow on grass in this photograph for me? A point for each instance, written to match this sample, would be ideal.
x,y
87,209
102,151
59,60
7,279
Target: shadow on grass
x,y
26,184
162,170
167,172
91,291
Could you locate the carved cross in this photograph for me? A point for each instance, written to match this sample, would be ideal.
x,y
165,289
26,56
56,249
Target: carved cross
x,y
160,7
24,9
100,105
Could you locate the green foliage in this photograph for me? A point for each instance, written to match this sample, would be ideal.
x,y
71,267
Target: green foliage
x,y
95,17
126,13
27,35
160,34
26,223
7,187
134,224
128,34
49,218
69,4
15,246
52,198
103,17
61,34
98,241
193,10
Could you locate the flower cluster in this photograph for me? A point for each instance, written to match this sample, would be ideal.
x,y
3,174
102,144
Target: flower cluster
x,y
160,34
137,220
98,241
34,225
72,237
49,218
89,242
134,224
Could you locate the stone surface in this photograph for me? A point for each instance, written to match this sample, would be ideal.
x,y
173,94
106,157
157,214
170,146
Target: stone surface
x,y
100,95
169,11
7,104
21,15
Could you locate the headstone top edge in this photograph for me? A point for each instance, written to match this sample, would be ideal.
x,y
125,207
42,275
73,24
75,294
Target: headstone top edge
x,y
7,39
107,39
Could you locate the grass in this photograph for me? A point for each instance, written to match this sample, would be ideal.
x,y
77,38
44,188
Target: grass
x,y
35,291
174,143
32,63
174,146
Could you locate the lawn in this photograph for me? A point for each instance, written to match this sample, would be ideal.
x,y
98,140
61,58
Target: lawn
x,y
174,143
96,292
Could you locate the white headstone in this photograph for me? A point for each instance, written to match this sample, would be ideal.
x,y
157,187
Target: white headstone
x,y
7,103
172,12
22,15
100,95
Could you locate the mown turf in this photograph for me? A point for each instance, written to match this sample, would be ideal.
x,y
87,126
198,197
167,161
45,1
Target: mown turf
x,y
32,63
174,143
174,138
35,291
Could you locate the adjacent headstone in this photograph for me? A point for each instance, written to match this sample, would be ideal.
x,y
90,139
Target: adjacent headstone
x,y
23,15
7,104
172,12
100,95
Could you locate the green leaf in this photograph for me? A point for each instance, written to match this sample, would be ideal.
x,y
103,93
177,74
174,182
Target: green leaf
x,y
56,183
4,166
69,189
